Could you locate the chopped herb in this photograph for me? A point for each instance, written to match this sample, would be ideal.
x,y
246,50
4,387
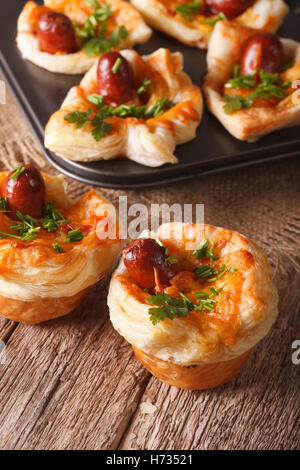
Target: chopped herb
x,y
78,117
270,85
171,260
158,108
98,122
3,204
201,250
204,271
215,292
97,100
232,270
74,236
242,81
52,218
286,66
102,44
58,248
29,227
116,65
204,250
17,172
212,21
168,307
188,10
146,289
143,87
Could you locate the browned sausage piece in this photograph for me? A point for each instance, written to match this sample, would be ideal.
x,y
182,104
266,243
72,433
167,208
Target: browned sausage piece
x,y
230,8
115,78
25,193
140,259
263,51
55,33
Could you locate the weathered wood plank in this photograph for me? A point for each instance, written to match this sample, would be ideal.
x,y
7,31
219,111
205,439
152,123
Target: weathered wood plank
x,y
74,383
257,410
70,383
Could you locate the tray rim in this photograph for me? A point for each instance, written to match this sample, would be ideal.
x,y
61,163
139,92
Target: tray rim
x,y
159,175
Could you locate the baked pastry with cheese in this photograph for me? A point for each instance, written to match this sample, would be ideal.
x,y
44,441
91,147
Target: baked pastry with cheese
x,y
195,319
250,110
193,22
49,264
146,128
98,26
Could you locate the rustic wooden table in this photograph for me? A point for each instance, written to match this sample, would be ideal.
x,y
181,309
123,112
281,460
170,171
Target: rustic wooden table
x,y
74,383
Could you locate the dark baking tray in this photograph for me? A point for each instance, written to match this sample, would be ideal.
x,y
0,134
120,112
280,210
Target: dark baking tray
x,y
40,93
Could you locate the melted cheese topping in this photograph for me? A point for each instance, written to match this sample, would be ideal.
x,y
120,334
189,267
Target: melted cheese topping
x,y
35,269
244,312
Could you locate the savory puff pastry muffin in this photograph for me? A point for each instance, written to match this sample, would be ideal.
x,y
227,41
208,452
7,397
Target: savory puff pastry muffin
x,y
46,271
277,104
209,301
149,121
193,22
59,46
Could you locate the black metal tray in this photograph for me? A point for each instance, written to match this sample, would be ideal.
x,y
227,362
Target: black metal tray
x,y
40,93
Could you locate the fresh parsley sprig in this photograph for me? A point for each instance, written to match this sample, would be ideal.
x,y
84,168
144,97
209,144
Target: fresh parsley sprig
x,y
168,307
17,172
94,31
143,87
52,218
101,128
3,204
171,307
269,85
188,10
214,20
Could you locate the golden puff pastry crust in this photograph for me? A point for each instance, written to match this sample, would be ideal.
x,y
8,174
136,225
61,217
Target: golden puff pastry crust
x,y
77,11
36,282
225,49
150,142
244,314
161,14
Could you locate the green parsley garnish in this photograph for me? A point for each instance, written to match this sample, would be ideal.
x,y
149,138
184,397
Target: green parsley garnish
x,y
187,10
204,250
143,87
116,65
94,31
28,229
74,236
270,85
58,248
52,218
204,271
212,21
170,307
17,172
286,66
102,44
171,260
100,127
3,204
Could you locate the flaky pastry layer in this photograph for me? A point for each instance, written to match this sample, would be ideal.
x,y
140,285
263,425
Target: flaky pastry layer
x,y
37,282
225,50
244,314
76,10
149,142
264,14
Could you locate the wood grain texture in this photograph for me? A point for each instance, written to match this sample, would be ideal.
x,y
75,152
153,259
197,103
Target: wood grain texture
x,y
74,383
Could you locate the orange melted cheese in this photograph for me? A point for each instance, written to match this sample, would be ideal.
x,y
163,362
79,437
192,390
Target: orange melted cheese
x,y
82,217
76,10
225,319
